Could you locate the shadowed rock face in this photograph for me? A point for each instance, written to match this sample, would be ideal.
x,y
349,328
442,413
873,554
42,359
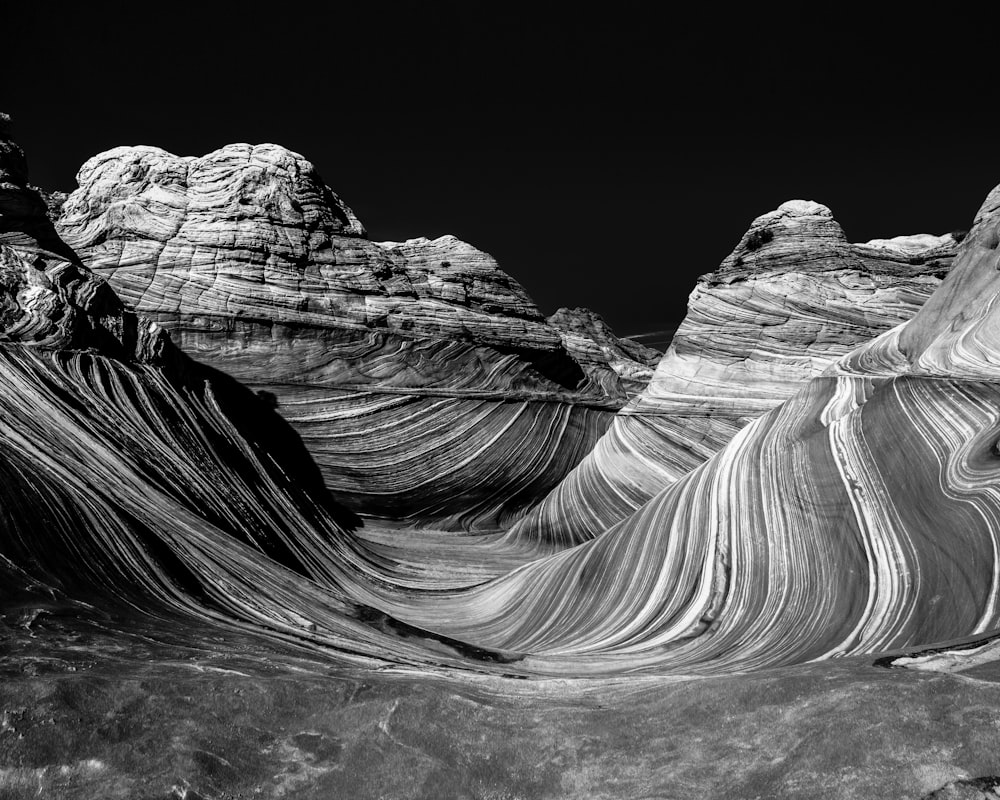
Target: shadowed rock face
x,y
603,356
48,300
792,297
421,377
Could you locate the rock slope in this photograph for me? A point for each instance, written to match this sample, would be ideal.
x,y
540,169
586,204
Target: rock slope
x,y
185,611
860,516
791,298
420,376
857,517
135,481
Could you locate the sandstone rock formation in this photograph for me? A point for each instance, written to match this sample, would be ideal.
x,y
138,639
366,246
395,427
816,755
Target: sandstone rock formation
x,y
419,375
606,359
186,612
792,297
134,477
48,300
860,516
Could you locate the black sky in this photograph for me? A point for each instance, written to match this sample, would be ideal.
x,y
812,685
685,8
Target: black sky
x,y
606,157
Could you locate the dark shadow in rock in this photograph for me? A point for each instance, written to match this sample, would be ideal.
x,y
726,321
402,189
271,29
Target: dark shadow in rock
x,y
256,419
381,621
984,788
953,646
556,365
24,222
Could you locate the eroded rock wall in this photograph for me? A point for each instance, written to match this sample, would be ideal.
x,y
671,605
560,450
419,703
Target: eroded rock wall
x,y
421,377
792,297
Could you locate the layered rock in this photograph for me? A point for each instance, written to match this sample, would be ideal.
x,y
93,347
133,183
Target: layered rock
x,y
421,377
138,484
792,297
161,559
955,333
604,357
860,516
48,300
815,532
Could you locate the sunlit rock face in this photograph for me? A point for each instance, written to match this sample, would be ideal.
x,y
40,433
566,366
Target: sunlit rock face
x,y
793,297
48,300
120,459
956,332
859,516
421,377
185,611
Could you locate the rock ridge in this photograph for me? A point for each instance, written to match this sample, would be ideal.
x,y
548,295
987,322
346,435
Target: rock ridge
x,y
391,360
792,297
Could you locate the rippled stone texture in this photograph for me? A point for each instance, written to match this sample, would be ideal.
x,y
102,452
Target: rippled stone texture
x,y
419,375
48,300
860,516
134,477
792,297
185,613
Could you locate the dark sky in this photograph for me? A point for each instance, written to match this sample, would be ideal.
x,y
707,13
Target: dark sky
x,y
605,157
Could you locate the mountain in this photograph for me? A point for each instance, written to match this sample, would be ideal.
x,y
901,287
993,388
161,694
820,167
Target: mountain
x,y
860,516
139,484
423,380
792,297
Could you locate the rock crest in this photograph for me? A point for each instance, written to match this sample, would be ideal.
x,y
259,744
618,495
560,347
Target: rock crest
x,y
258,269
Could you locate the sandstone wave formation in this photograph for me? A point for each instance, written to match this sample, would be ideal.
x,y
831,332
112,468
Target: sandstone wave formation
x,y
423,380
136,481
859,516
852,511
792,298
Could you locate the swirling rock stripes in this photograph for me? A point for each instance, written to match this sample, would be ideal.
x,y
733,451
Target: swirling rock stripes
x,y
860,515
123,488
259,270
463,463
800,540
792,298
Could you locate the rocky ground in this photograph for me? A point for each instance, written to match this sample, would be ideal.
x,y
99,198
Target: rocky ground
x,y
86,714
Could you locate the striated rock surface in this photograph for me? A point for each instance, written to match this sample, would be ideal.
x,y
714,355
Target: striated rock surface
x,y
421,377
792,297
955,332
156,487
603,356
48,300
860,516
186,612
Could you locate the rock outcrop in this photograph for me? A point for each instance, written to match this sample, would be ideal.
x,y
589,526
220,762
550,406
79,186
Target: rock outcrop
x,y
792,297
48,300
134,477
421,377
814,532
185,611
606,359
860,516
